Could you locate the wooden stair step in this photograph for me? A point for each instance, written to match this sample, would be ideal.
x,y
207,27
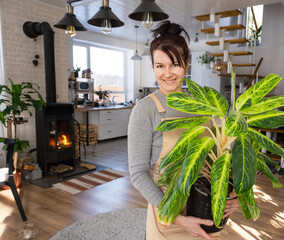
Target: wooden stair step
x,y
278,130
231,53
239,75
230,41
224,14
243,65
274,157
226,28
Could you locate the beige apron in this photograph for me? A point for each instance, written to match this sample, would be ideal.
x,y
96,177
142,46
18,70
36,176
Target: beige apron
x,y
154,230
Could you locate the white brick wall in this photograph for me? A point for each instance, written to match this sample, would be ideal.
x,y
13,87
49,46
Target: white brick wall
x,y
19,51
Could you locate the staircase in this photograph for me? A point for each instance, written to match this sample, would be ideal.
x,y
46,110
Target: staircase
x,y
221,47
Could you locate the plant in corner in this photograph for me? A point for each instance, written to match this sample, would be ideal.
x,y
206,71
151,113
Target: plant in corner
x,y
16,99
205,59
214,156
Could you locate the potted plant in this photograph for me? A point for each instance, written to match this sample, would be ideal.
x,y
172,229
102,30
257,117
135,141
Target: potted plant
x,y
214,156
205,59
76,71
18,98
254,36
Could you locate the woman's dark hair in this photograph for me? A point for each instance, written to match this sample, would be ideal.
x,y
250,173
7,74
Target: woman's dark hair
x,y
167,38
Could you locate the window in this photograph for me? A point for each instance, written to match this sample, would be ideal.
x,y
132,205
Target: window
x,y
107,66
251,28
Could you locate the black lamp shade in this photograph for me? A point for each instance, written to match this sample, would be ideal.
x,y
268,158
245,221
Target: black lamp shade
x,y
148,6
105,13
70,20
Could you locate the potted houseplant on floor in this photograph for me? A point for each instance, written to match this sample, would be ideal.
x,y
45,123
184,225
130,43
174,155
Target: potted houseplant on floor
x,y
211,156
16,99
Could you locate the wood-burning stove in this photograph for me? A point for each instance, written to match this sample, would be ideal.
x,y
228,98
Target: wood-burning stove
x,y
55,135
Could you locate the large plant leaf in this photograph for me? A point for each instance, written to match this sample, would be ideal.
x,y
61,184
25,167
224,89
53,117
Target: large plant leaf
x,y
262,166
268,160
184,103
265,142
256,92
236,124
255,146
171,204
197,91
167,176
264,105
180,148
271,119
197,152
248,205
217,100
168,125
243,164
219,186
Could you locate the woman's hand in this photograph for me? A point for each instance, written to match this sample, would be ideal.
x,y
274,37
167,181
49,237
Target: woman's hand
x,y
192,226
231,205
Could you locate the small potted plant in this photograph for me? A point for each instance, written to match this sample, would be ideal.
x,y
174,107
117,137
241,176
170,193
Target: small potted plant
x,y
76,71
254,36
16,99
213,156
205,59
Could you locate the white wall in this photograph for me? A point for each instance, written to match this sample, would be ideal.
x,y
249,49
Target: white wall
x,y
272,45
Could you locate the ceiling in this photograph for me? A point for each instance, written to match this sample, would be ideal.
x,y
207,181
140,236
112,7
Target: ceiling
x,y
180,11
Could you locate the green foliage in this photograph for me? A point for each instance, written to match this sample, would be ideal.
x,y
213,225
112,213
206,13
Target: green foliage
x,y
205,58
16,99
189,157
77,69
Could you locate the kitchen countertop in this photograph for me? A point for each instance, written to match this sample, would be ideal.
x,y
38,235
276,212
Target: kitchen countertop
x,y
116,107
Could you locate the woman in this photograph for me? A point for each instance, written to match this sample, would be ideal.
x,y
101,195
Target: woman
x,y
147,146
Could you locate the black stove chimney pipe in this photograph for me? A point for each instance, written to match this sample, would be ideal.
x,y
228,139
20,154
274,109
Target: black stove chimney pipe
x,y
33,30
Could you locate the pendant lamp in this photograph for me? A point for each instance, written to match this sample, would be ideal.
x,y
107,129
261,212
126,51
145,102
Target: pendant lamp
x,y
69,22
136,55
148,12
196,38
105,18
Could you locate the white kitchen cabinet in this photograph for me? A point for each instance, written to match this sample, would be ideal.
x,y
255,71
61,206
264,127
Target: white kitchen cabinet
x,y
111,123
147,74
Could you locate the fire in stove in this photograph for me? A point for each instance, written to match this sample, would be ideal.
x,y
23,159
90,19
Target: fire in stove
x,y
63,142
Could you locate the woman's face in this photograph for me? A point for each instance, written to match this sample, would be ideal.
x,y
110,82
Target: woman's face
x,y
168,75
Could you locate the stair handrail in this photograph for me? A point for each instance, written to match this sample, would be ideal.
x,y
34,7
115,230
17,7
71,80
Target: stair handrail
x,y
255,72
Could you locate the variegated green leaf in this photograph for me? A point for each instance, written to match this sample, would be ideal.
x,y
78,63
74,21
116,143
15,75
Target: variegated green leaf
x,y
262,166
256,92
268,160
236,124
166,178
184,103
243,164
197,152
265,142
264,105
270,119
168,125
248,205
180,148
171,204
219,186
197,91
255,145
217,100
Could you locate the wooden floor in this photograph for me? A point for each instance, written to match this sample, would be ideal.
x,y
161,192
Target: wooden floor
x,y
51,210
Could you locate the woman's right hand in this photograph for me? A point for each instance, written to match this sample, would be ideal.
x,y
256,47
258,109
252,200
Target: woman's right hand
x,y
192,226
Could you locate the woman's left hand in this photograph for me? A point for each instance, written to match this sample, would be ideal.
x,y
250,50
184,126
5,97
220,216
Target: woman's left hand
x,y
231,205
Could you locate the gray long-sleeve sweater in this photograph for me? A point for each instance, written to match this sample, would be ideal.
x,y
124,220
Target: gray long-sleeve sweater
x,y
145,144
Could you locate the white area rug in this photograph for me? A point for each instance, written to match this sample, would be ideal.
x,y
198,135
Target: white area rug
x,y
124,224
79,184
